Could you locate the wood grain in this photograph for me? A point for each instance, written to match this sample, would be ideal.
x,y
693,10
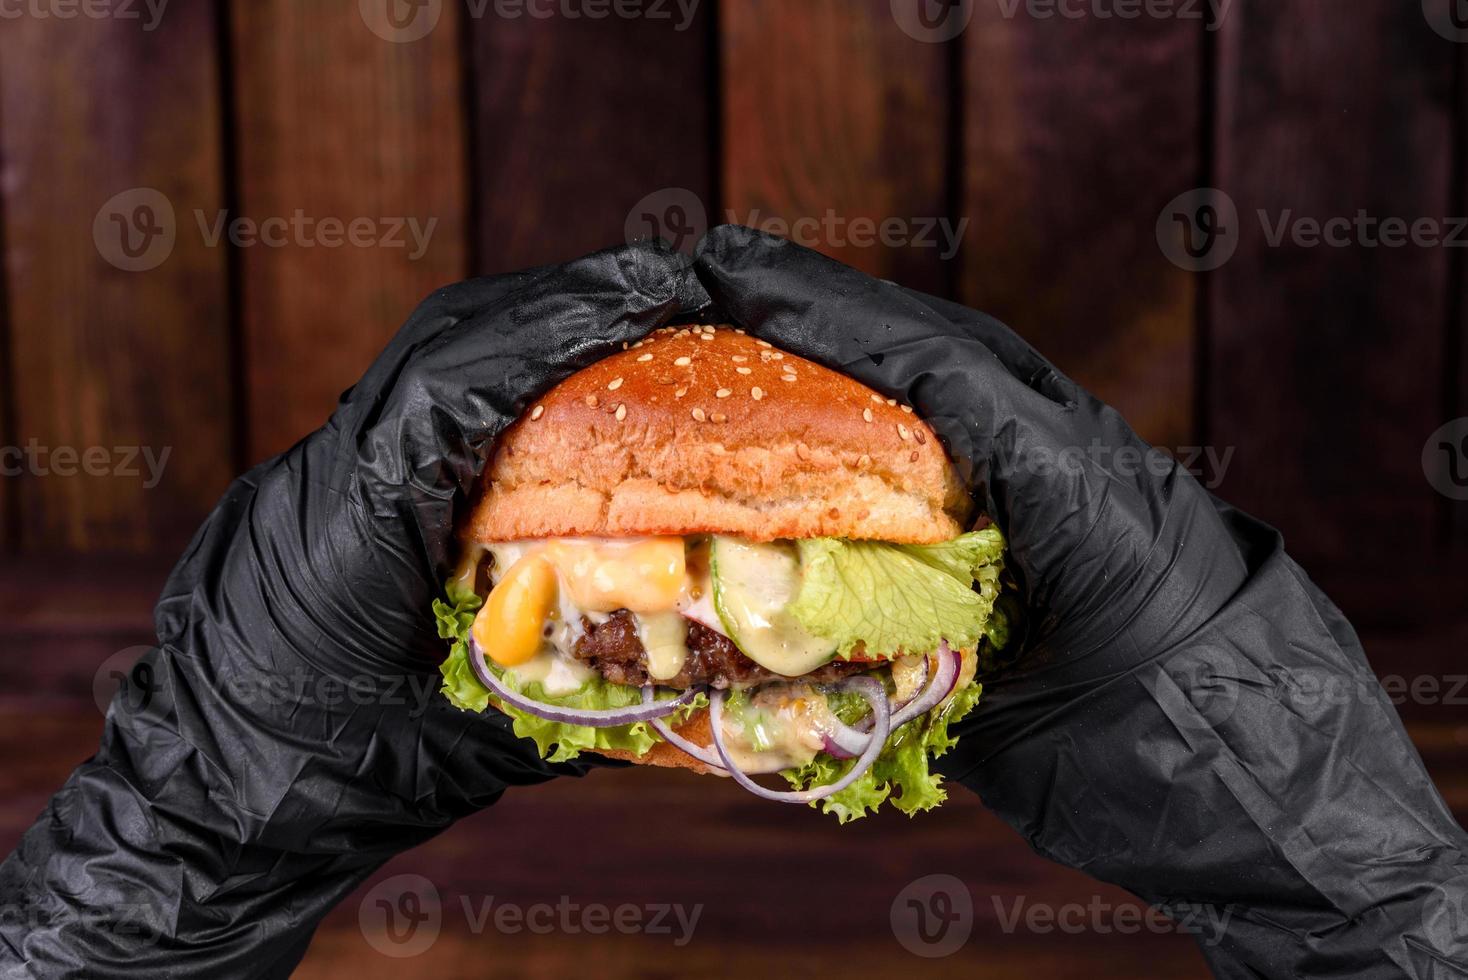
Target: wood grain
x,y
104,359
835,118
1327,360
579,120
1077,133
334,121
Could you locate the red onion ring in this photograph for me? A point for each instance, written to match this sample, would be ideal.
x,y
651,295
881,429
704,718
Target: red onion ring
x,y
868,687
845,741
666,731
590,717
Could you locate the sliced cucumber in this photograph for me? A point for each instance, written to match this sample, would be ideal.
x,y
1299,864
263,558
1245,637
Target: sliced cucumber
x,y
753,585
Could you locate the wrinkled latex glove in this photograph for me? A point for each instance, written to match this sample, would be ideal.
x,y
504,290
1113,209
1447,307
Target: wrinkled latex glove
x,y
1168,723
287,736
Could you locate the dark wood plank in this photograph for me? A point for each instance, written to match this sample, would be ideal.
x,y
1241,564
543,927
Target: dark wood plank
x,y
1327,361
1078,133
834,123
109,352
580,120
335,121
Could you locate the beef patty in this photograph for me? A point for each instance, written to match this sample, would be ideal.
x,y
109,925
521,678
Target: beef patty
x,y
613,649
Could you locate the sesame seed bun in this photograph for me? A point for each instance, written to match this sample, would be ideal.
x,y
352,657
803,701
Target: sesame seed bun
x,y
703,430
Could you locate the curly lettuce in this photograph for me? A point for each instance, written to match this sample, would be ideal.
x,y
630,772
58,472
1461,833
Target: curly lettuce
x,y
900,773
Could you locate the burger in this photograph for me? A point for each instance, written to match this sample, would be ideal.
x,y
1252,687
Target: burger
x,y
708,553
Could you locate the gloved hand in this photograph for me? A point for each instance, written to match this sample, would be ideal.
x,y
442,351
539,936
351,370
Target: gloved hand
x,y
288,737
1189,717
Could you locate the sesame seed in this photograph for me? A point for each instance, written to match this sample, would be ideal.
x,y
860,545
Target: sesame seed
x,y
707,336
922,439
680,392
787,377
698,414
892,402
738,358
723,393
537,412
744,370
865,461
625,345
718,417
776,356
877,399
591,401
683,362
764,355
682,333
756,393
614,384
621,412
802,450
907,409
763,343
903,431
643,358
866,413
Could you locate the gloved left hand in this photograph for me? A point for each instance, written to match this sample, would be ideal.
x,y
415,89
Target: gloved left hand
x,y
289,737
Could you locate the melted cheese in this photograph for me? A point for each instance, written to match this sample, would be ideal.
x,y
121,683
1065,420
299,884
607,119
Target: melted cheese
x,y
664,637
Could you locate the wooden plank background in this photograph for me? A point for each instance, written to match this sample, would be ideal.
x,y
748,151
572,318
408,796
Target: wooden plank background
x,y
1078,132
534,139
101,358
335,122
577,121
833,115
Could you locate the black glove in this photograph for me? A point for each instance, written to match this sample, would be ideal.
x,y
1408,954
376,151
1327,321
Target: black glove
x,y
1188,717
287,737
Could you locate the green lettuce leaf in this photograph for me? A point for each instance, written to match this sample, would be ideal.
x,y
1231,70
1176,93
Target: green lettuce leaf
x,y
900,773
891,597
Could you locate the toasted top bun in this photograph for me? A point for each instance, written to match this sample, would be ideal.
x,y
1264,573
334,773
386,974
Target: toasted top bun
x,y
704,430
